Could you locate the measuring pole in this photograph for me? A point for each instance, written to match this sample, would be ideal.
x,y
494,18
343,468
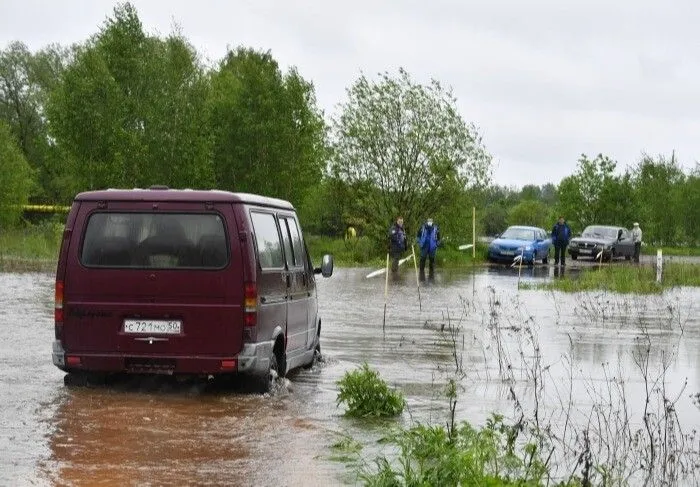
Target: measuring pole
x,y
415,264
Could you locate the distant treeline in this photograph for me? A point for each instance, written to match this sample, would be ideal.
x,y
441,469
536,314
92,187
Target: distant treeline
x,y
128,109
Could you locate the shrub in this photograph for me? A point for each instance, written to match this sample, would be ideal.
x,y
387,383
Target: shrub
x,y
367,395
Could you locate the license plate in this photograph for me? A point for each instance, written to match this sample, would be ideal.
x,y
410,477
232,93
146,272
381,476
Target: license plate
x,y
508,252
153,327
586,251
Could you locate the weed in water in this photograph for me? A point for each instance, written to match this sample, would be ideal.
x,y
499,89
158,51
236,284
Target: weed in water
x,y
367,395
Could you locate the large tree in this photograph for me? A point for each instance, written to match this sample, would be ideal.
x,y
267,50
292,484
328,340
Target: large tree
x,y
659,183
130,110
16,180
26,79
408,151
594,194
269,136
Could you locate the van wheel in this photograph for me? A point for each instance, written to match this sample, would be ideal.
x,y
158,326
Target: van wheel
x,y
316,357
84,379
265,383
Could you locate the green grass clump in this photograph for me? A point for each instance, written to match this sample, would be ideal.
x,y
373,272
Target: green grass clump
x,y
368,395
626,279
466,456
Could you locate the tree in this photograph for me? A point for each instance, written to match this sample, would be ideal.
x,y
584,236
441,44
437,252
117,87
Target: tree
x,y
25,81
690,210
530,212
269,136
16,181
595,195
130,110
658,184
408,150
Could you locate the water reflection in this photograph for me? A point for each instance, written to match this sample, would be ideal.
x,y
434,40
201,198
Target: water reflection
x,y
182,435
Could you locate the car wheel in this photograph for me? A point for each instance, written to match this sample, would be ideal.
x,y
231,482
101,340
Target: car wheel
x,y
574,256
628,257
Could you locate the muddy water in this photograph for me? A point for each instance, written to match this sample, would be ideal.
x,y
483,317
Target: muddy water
x,y
155,433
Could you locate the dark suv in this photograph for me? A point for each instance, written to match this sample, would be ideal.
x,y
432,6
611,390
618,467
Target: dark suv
x,y
612,241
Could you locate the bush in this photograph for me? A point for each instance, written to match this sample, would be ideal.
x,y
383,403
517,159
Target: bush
x,y
16,181
367,395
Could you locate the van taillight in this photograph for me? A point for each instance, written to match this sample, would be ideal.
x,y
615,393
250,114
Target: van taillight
x,y
250,304
58,310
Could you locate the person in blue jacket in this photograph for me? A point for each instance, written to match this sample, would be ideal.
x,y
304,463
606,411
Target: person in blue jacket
x,y
428,240
561,234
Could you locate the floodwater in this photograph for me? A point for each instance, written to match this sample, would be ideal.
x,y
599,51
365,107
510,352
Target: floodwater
x,y
157,433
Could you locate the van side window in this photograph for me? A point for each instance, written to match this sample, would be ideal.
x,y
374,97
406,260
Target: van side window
x,y
297,243
267,239
155,241
288,254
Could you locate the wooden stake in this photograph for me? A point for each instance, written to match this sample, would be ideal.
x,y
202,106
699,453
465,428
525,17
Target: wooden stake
x,y
386,290
415,264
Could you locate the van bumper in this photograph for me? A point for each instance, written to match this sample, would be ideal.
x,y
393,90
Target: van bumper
x,y
254,359
58,355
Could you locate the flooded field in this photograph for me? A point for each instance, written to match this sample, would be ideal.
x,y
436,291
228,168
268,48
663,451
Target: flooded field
x,y
155,432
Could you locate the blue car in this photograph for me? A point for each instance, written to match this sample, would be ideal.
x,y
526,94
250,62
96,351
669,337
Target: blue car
x,y
532,243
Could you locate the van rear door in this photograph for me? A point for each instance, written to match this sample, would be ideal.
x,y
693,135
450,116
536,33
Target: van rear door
x,y
152,279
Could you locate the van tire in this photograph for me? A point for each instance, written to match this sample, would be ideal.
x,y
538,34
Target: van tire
x,y
315,358
264,383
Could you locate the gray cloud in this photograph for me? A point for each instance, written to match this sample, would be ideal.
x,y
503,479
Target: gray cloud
x,y
545,80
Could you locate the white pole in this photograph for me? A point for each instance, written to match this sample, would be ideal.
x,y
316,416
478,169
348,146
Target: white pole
x,y
473,232
659,265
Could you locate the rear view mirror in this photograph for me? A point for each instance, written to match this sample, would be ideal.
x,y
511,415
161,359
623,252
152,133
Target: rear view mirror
x,y
326,269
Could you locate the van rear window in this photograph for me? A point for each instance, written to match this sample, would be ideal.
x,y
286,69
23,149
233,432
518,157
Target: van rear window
x,y
155,241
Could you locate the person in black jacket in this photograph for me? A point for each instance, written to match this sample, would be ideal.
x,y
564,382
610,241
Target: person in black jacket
x,y
397,243
561,234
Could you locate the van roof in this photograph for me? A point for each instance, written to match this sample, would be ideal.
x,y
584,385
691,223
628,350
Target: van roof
x,y
161,193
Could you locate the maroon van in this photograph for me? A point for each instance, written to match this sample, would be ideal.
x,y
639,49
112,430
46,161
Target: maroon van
x,y
185,282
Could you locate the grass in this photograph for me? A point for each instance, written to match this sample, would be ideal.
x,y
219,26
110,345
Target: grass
x,y
30,247
362,252
679,251
625,279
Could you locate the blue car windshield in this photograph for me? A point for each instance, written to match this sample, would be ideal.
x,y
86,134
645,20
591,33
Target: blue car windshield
x,y
600,232
519,234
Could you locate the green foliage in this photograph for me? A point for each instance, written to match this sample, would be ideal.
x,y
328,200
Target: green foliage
x,y
32,242
626,279
595,195
531,212
360,250
405,149
659,185
16,181
367,395
690,208
491,456
129,111
25,81
269,136
322,210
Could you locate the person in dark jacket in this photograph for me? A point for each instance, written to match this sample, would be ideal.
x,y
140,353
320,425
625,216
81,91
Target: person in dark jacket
x,y
428,239
397,243
561,234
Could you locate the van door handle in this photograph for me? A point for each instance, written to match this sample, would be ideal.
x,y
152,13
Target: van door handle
x,y
263,299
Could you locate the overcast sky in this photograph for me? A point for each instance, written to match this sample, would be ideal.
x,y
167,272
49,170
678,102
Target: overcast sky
x,y
544,80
